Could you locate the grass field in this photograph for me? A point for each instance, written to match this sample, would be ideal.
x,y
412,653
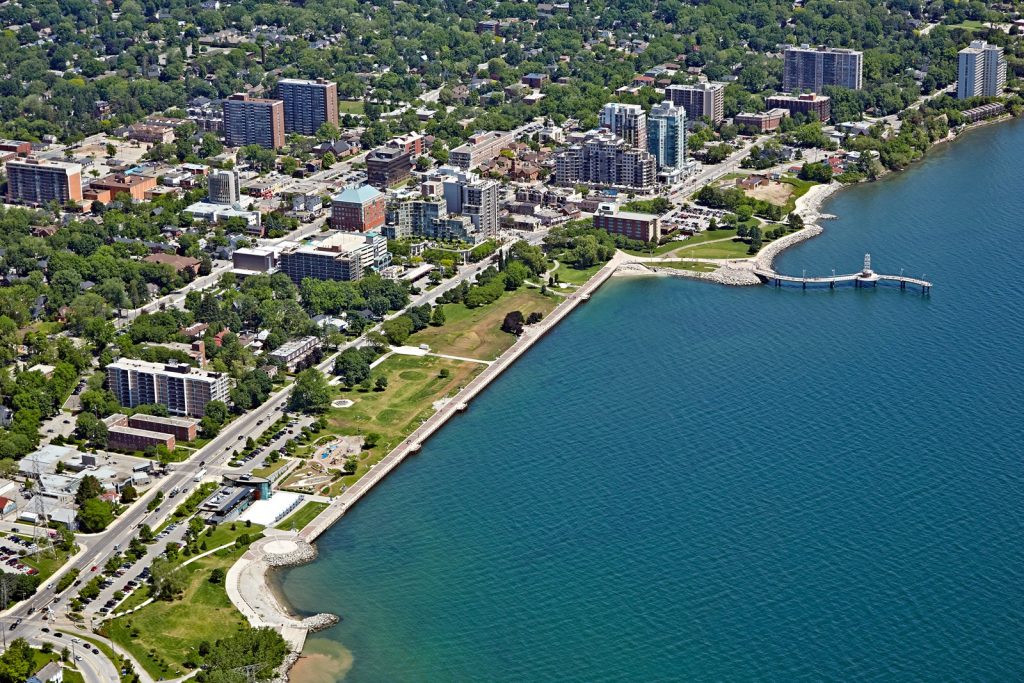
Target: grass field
x,y
575,276
414,384
163,635
695,266
476,332
732,249
354,107
303,516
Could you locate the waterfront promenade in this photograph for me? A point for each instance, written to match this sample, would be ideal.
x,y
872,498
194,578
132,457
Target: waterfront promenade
x,y
246,581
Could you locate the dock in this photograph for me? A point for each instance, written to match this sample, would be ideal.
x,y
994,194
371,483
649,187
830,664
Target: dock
x,y
865,278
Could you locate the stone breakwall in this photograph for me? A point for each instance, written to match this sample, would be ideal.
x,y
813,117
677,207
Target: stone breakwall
x,y
767,255
303,554
724,275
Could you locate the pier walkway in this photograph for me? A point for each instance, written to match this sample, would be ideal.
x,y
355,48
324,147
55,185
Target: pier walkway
x,y
865,278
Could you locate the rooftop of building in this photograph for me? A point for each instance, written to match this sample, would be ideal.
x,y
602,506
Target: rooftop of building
x,y
68,166
804,97
357,195
293,345
163,368
305,81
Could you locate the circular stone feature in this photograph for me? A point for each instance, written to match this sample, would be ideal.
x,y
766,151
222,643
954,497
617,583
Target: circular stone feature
x,y
280,546
342,403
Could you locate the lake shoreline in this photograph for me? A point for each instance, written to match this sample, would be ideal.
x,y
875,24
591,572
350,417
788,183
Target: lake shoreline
x,y
809,207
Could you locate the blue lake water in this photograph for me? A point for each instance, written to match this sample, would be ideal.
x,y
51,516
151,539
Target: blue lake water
x,y
691,482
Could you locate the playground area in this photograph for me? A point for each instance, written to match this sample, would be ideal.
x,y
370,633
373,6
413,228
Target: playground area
x,y
321,468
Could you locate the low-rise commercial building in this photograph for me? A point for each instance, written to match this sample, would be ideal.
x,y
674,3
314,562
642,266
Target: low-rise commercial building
x,y
147,132
123,437
135,186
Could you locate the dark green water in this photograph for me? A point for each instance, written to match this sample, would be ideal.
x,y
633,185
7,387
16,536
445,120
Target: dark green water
x,y
689,482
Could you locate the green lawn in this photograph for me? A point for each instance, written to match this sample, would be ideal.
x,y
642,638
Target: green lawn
x,y
270,469
413,386
47,564
575,276
723,250
163,635
968,25
303,516
354,107
476,332
691,246
696,266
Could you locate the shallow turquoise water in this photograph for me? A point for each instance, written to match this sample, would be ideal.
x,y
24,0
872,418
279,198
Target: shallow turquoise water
x,y
688,482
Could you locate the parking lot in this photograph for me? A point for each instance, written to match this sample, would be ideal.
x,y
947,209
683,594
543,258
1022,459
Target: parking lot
x,y
12,549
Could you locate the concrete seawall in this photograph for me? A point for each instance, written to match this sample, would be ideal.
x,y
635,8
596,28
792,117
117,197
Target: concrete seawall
x,y
460,402
247,581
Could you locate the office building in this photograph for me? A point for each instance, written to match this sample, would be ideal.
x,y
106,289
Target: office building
x,y
40,181
470,195
479,148
981,72
762,121
183,389
339,256
604,159
358,209
701,99
308,104
810,69
666,136
818,106
636,226
222,187
253,121
387,166
628,121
